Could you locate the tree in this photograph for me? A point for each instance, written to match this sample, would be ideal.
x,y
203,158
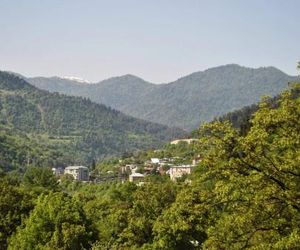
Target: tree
x,y
245,192
149,201
109,212
57,222
182,226
15,205
40,177
256,179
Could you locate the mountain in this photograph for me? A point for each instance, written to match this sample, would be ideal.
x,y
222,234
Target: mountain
x,y
55,84
73,128
184,103
241,118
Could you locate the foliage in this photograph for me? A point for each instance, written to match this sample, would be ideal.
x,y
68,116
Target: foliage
x,y
174,154
182,226
110,212
186,102
244,194
240,119
57,222
15,204
40,177
69,129
148,203
19,150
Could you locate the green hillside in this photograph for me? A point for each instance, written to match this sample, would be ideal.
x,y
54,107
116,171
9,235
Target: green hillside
x,y
241,118
243,194
80,130
184,103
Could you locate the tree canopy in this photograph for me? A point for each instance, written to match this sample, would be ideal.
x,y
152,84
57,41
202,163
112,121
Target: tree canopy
x,y
57,222
246,191
244,194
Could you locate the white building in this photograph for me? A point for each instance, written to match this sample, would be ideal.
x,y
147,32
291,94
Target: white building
x,y
136,177
155,161
178,171
79,173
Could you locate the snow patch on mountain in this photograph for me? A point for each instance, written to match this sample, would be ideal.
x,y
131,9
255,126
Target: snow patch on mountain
x,y
76,79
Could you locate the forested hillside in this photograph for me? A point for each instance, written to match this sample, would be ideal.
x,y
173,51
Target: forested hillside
x,y
241,118
244,194
185,103
79,130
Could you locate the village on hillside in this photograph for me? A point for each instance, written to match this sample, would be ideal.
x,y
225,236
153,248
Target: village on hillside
x,y
177,166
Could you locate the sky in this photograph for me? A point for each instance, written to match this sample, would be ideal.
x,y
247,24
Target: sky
x,y
158,40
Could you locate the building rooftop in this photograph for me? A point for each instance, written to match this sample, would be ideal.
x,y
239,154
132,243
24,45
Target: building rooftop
x,y
137,175
75,167
183,166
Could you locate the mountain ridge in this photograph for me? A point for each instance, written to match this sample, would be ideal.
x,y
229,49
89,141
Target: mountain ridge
x,y
149,82
186,102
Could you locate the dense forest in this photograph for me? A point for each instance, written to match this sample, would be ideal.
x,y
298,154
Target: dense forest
x,y
240,119
67,129
244,194
184,103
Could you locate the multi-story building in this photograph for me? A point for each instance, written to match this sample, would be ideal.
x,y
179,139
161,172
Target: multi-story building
x,y
136,177
178,171
79,173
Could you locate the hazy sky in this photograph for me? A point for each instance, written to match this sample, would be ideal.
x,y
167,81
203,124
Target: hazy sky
x,y
158,40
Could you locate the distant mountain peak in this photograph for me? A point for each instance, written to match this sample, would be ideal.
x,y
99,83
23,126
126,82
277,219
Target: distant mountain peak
x,y
123,79
235,66
130,77
230,66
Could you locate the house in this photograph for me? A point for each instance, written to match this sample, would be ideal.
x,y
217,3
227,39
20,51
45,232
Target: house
x,y
136,177
79,173
178,171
